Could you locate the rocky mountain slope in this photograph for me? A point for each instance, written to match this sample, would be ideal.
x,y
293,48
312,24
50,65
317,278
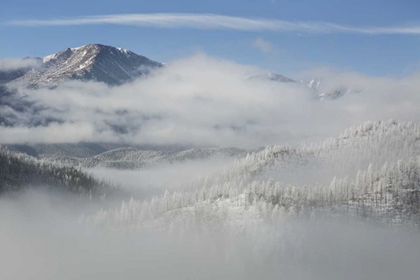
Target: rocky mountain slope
x,y
116,66
93,62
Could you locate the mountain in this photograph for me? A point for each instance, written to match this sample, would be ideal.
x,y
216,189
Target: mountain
x,y
93,62
272,77
115,66
327,92
320,87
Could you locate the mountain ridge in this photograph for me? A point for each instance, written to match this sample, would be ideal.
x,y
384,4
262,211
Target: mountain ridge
x,y
116,66
91,62
318,86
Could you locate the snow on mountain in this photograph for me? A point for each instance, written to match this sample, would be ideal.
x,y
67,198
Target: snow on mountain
x,y
325,91
369,171
385,190
135,158
272,77
84,149
320,87
93,62
115,66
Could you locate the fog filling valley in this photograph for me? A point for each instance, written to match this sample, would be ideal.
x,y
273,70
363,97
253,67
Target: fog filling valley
x,y
242,178
42,238
207,101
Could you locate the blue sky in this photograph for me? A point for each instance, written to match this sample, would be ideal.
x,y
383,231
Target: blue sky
x,y
384,39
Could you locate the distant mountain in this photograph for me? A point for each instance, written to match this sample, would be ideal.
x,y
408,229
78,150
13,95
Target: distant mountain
x,y
326,92
272,77
116,66
318,86
93,62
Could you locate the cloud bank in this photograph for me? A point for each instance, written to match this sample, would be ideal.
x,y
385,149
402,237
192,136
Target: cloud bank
x,y
215,21
11,64
206,101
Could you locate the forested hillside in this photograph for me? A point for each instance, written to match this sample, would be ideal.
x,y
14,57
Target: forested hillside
x,y
370,171
19,171
135,158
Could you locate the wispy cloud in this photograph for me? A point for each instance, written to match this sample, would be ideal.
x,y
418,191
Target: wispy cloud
x,y
214,21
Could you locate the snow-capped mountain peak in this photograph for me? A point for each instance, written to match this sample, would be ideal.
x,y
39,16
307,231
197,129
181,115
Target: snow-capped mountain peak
x,y
95,62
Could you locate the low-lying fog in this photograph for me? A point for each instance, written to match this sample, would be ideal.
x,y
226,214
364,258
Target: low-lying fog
x,y
42,237
201,101
155,179
207,101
